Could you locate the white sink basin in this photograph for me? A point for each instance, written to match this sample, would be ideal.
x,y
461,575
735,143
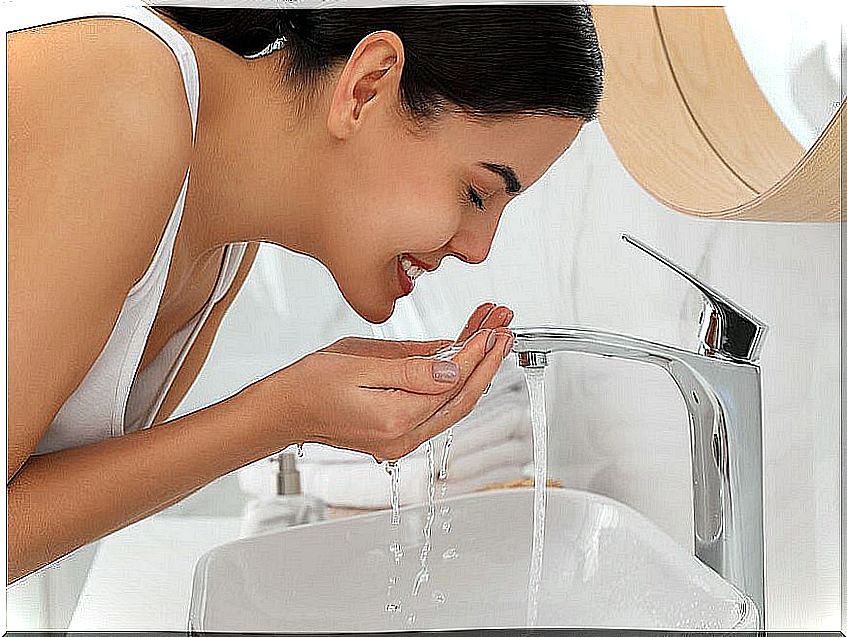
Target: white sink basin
x,y
605,565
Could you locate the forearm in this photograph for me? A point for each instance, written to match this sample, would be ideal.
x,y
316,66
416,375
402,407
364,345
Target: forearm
x,y
65,499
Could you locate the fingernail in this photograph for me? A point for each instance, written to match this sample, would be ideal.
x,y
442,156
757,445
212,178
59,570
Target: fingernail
x,y
445,371
509,342
492,338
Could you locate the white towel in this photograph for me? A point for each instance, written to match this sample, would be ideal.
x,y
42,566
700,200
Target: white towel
x,y
367,485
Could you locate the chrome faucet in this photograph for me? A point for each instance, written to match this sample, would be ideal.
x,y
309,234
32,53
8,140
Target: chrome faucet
x,y
721,387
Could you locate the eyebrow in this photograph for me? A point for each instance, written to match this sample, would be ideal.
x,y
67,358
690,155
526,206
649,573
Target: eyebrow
x,y
507,174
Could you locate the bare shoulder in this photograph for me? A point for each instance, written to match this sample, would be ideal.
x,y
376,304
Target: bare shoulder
x,y
99,138
99,101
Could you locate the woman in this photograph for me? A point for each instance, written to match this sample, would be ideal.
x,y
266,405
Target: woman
x,y
378,141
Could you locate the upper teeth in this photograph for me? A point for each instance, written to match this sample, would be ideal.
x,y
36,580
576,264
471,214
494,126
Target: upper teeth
x,y
412,270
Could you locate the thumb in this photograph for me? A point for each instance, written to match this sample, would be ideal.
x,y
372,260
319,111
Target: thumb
x,y
415,375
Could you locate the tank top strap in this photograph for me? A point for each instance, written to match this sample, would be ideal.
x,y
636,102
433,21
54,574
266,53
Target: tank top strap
x,y
184,55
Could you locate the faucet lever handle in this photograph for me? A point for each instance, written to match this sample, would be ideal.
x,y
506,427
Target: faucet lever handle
x,y
727,330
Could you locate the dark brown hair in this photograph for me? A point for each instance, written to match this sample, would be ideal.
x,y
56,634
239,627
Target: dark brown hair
x,y
487,60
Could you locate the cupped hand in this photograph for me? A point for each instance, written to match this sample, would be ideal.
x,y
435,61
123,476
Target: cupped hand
x,y
381,397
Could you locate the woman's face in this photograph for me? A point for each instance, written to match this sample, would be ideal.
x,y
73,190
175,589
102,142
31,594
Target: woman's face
x,y
401,202
394,198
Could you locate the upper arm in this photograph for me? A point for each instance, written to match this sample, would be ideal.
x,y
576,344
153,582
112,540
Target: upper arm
x,y
97,150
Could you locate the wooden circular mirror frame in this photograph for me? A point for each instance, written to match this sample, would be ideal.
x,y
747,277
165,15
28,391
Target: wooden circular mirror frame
x,y
689,122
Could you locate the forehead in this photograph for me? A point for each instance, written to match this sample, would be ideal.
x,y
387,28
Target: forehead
x,y
527,143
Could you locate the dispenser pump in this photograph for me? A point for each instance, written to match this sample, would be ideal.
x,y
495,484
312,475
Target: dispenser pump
x,y
288,478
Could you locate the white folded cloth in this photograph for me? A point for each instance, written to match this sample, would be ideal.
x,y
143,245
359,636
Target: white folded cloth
x,y
366,485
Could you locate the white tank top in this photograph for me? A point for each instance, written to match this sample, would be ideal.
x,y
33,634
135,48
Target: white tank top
x,y
114,397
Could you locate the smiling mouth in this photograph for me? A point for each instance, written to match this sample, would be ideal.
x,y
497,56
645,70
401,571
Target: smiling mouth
x,y
409,269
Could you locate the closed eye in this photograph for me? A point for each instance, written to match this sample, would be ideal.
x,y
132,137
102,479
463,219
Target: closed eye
x,y
475,199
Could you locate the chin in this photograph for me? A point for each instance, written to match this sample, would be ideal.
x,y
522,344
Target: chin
x,y
375,315
371,309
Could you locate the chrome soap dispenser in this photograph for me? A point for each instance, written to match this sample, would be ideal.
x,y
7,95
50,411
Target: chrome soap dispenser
x,y
289,507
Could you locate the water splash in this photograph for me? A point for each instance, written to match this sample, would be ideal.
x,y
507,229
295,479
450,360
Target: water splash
x,y
444,509
422,576
393,606
445,456
393,470
397,551
535,386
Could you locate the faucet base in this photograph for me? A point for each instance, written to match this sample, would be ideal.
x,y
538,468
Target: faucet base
x,y
532,359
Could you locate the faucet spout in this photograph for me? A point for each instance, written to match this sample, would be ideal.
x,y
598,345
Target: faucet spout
x,y
723,400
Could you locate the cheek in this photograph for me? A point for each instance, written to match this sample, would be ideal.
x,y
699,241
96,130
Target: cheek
x,y
425,215
401,200
424,228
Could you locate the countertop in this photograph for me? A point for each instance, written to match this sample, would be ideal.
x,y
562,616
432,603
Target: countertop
x,y
141,576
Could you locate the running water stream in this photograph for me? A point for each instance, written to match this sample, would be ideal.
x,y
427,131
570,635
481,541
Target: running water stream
x,y
538,411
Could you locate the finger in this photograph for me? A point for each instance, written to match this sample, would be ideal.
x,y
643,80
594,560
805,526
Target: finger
x,y
500,316
459,405
473,351
497,316
415,375
474,322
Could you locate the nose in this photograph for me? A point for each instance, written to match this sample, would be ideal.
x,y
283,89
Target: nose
x,y
472,243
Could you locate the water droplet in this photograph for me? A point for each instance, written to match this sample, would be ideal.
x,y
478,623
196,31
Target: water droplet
x,y
397,550
446,526
300,450
439,597
421,579
450,554
392,608
445,510
392,581
411,619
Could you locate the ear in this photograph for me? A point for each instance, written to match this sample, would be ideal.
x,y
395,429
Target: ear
x,y
370,77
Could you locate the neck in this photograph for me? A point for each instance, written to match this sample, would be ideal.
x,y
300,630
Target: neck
x,y
253,163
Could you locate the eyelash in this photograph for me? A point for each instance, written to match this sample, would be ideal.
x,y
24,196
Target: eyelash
x,y
474,198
